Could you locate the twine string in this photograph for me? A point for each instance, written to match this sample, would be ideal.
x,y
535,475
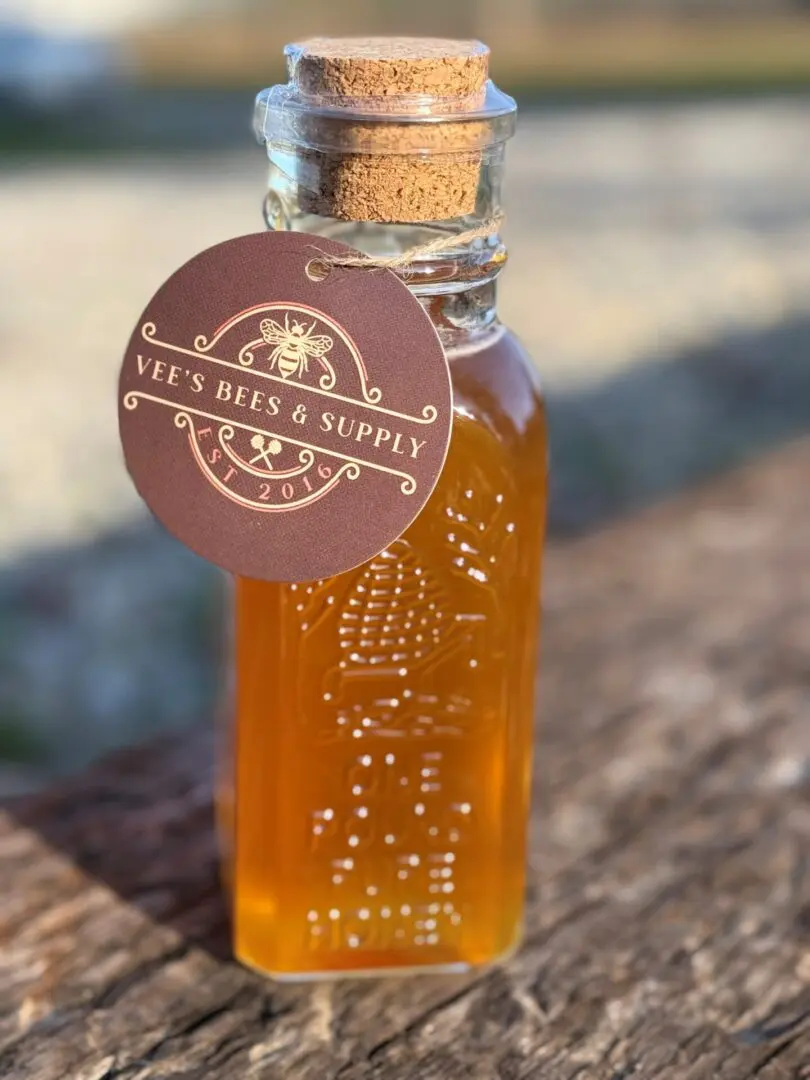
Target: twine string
x,y
405,259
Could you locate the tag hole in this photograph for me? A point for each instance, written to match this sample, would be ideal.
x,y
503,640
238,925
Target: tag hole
x,y
317,270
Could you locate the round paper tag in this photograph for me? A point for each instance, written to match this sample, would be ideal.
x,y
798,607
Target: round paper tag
x,y
284,427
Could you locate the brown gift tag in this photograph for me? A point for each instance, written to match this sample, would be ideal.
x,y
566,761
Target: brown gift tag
x,y
284,427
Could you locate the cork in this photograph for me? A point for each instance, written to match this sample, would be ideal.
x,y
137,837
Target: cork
x,y
388,169
397,67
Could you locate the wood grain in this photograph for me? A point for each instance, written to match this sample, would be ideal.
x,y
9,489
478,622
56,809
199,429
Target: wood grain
x,y
668,930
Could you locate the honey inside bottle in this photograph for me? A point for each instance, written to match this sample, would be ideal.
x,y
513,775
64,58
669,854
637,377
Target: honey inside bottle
x,y
375,813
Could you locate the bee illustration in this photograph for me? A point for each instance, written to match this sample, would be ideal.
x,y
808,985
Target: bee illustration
x,y
294,345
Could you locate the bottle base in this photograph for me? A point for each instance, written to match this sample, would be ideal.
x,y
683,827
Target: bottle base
x,y
391,971
334,975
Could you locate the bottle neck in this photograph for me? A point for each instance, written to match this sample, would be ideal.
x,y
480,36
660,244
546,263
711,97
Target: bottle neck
x,y
456,286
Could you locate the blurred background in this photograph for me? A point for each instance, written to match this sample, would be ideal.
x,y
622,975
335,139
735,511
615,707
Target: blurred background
x,y
659,224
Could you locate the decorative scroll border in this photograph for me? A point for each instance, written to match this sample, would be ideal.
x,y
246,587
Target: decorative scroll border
x,y
149,332
306,457
349,469
370,394
132,397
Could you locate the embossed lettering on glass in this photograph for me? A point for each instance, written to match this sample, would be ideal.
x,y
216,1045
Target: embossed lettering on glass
x,y
375,798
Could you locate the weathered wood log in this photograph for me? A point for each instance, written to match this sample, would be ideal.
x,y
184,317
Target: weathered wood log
x,y
668,931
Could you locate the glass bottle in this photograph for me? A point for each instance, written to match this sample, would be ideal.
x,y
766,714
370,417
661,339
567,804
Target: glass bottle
x,y
375,817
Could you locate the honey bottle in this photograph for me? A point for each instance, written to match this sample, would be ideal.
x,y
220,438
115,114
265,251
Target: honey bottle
x,y
375,805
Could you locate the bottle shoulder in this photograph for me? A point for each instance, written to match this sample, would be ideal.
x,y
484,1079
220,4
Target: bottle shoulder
x,y
491,495
495,383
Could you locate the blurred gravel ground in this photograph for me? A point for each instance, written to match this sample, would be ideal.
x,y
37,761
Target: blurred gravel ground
x,y
660,275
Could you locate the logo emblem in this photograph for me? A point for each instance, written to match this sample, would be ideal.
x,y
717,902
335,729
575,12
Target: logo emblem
x,y
281,406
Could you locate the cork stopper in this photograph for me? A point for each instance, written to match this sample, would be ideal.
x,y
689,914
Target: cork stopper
x,y
432,69
388,129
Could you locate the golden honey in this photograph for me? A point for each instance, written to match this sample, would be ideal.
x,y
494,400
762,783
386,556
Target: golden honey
x,y
385,717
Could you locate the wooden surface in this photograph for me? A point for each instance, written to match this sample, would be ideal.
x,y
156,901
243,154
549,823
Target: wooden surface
x,y
669,920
